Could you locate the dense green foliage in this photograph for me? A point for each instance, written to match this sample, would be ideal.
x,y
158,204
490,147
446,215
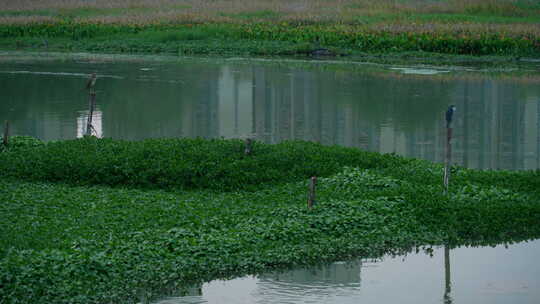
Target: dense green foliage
x,y
265,38
282,27
185,163
21,142
96,244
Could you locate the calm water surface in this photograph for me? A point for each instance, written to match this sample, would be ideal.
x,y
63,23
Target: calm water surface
x,y
481,275
375,107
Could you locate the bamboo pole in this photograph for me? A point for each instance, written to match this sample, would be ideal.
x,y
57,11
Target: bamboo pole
x,y
5,139
311,195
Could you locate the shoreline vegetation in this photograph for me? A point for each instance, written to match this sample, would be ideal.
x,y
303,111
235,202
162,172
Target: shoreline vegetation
x,y
101,221
361,29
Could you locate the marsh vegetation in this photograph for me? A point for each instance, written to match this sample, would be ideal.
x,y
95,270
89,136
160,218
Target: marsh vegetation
x,y
75,233
301,11
501,27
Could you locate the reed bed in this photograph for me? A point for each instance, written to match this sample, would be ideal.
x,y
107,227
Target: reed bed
x,y
239,11
492,27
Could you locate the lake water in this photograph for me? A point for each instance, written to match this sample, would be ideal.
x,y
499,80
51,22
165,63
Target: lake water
x,y
382,108
481,275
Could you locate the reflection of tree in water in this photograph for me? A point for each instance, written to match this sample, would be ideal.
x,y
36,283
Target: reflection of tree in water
x,y
323,281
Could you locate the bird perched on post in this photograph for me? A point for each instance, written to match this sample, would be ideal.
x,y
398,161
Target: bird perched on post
x,y
91,81
449,114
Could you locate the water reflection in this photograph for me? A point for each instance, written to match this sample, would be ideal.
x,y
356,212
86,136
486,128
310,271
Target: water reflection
x,y
325,283
97,125
480,275
378,109
447,298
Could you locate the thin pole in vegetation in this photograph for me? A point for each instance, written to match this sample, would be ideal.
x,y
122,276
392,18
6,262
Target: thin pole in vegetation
x,y
448,155
248,146
5,139
311,195
91,106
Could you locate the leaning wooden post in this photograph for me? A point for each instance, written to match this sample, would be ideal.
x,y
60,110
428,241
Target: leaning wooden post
x,y
5,139
91,106
311,195
247,150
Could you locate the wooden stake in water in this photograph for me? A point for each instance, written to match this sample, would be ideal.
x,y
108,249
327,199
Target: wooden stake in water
x,y
91,106
311,195
448,157
5,139
448,160
247,150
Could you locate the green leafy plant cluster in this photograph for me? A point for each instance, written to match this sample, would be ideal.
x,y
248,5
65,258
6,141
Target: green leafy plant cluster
x,y
67,244
182,163
21,142
96,244
358,38
66,29
164,37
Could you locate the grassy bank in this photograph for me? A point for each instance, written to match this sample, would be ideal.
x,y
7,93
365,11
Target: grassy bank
x,y
349,27
82,243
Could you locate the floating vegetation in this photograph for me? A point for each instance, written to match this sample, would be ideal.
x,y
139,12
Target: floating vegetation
x,y
75,242
179,163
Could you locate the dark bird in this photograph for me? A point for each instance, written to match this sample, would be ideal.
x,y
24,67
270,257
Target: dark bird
x,y
91,81
449,114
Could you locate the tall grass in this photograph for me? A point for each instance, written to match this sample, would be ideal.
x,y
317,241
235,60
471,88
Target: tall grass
x,y
242,10
504,27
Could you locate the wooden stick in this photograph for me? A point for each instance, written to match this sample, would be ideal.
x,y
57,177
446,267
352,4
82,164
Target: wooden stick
x,y
91,106
5,140
448,160
311,195
247,150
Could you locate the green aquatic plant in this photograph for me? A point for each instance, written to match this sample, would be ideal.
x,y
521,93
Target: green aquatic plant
x,y
244,38
21,142
98,244
181,163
